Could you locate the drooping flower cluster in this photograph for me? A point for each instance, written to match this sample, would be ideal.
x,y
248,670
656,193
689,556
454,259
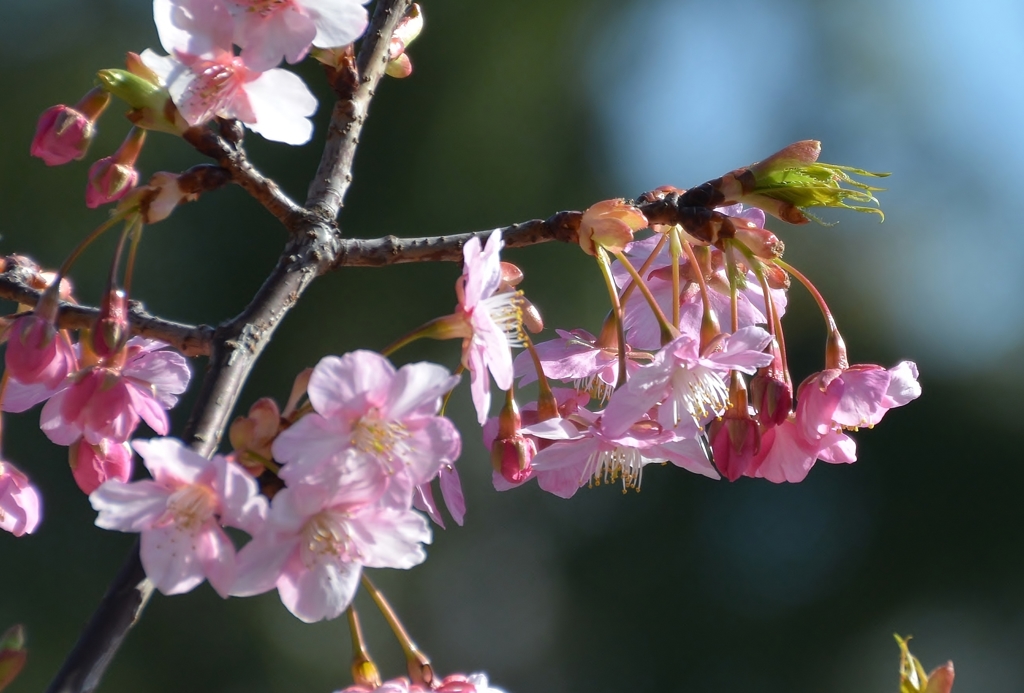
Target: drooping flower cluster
x,y
353,462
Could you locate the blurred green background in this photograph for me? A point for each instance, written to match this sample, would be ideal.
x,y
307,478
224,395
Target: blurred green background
x,y
520,109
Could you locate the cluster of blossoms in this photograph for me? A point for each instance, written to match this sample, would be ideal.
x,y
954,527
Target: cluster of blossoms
x,y
221,62
670,383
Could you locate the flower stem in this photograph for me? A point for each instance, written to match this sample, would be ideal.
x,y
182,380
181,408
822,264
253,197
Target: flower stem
x,y
613,295
420,670
364,671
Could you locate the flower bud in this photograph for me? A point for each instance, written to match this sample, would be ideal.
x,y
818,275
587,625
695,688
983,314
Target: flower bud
x,y
152,107
20,503
12,654
36,353
512,452
111,330
63,133
772,398
762,243
399,65
735,438
112,177
252,436
610,225
92,465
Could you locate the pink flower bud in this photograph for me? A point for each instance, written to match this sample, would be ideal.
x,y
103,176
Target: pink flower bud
x,y
12,654
36,353
63,133
112,177
92,465
511,451
111,330
772,398
252,436
609,224
735,442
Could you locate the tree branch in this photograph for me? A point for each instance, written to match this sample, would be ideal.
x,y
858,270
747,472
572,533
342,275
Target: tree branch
x,y
229,153
334,175
311,250
190,340
391,250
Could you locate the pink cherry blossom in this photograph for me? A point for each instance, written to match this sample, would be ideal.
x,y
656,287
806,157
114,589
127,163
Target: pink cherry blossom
x,y
91,465
689,386
269,30
453,683
576,357
584,451
318,537
787,455
489,323
854,397
179,514
20,502
368,414
206,79
106,401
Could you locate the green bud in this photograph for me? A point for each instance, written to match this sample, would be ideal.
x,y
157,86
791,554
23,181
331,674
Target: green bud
x,y
152,107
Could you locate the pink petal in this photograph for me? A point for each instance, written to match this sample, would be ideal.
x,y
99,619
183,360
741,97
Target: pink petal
x,y
390,538
129,507
242,506
260,562
418,387
147,408
350,382
170,559
423,499
338,22
324,591
170,462
281,103
216,555
451,490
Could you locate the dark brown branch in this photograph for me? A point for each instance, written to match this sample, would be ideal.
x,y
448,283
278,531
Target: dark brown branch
x,y
230,155
238,343
188,339
391,250
334,175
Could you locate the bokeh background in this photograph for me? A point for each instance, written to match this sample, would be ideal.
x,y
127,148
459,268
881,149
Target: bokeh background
x,y
521,109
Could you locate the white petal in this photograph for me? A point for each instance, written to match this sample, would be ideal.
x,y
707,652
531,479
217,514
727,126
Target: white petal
x,y
128,507
338,22
281,102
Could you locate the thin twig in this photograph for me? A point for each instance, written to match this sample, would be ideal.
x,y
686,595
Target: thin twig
x,y
334,175
190,340
391,250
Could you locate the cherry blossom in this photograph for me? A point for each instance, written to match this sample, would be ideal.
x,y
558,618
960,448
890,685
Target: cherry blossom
x,y
206,79
106,401
318,536
585,451
787,455
453,683
20,502
489,323
269,30
689,385
179,513
577,357
368,414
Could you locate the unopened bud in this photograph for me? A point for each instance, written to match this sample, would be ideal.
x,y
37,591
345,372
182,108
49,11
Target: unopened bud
x,y
365,673
152,107
112,177
761,242
835,351
252,436
64,133
92,465
111,330
610,225
512,452
12,654
399,65
36,353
